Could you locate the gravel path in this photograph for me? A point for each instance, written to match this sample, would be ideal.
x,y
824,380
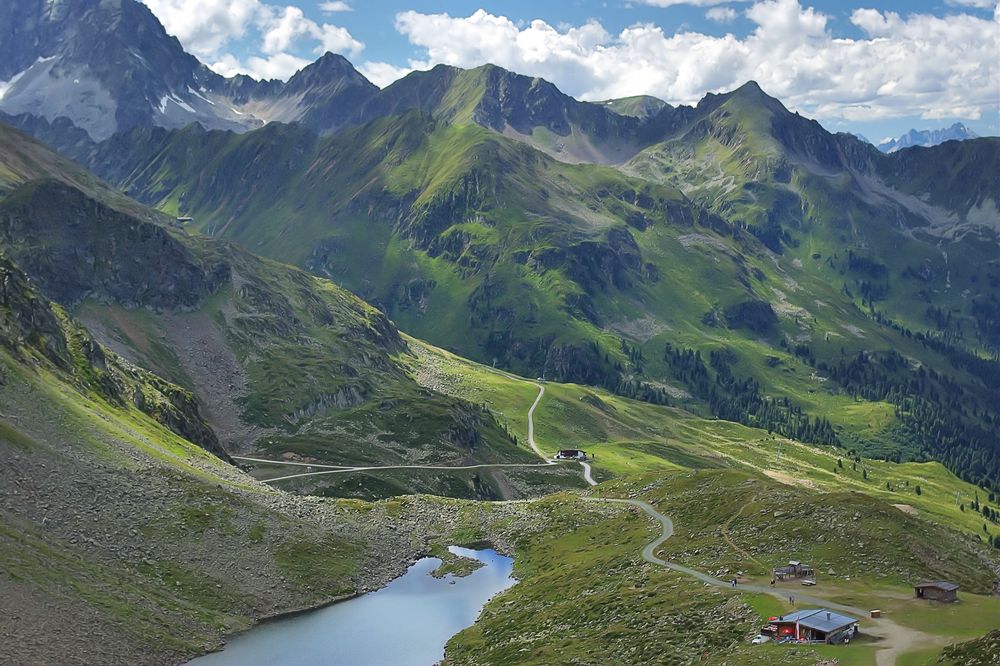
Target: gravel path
x,y
896,639
342,469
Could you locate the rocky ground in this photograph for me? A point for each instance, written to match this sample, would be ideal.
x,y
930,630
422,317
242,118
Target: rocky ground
x,y
120,550
984,651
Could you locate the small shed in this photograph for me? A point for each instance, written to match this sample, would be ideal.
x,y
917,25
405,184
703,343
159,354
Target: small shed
x,y
937,590
817,625
571,454
794,569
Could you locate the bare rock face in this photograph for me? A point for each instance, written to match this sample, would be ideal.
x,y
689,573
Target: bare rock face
x,y
27,323
77,248
757,316
33,329
109,65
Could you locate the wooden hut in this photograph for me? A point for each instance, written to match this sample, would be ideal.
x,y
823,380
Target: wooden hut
x,y
938,590
794,569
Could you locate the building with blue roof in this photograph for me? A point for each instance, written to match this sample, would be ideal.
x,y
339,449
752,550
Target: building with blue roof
x,y
815,625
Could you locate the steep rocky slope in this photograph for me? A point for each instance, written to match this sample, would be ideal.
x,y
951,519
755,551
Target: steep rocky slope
x,y
750,233
281,361
122,542
109,65
36,332
527,109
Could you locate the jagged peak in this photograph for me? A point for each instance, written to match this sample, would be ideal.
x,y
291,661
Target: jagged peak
x,y
752,92
751,87
331,58
330,68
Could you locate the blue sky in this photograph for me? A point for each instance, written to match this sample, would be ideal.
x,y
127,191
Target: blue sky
x,y
873,67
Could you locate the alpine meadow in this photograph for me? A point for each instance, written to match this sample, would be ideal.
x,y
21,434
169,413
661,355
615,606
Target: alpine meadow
x,y
594,334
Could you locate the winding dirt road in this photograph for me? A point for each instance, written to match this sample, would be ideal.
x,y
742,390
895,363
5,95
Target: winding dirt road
x,y
895,639
346,469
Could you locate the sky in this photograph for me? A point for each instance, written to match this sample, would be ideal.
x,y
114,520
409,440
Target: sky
x,y
872,67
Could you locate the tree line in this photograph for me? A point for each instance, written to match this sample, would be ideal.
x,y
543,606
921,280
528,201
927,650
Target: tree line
x,y
741,399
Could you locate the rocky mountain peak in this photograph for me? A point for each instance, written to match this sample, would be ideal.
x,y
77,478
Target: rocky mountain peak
x,y
330,69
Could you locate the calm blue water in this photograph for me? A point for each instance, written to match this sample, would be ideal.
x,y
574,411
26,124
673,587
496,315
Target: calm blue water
x,y
406,623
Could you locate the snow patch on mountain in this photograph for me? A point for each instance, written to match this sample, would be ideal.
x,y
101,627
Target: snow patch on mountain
x,y
51,88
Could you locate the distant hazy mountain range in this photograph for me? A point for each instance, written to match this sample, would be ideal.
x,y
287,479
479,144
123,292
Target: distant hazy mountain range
x,y
957,132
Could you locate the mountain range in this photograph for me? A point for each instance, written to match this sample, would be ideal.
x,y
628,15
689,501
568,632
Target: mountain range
x,y
108,66
489,213
214,290
926,138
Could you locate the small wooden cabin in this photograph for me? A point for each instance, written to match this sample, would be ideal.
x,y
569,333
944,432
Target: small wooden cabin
x,y
938,590
794,569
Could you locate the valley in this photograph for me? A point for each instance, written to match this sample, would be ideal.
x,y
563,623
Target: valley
x,y
536,531
478,243
268,345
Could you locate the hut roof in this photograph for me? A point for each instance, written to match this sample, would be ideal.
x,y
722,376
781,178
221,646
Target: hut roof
x,y
819,619
945,585
827,621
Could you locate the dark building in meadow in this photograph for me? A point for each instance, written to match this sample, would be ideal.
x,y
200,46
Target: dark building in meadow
x,y
938,590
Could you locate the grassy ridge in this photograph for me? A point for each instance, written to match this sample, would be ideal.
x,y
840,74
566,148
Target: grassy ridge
x,y
282,361
629,437
486,247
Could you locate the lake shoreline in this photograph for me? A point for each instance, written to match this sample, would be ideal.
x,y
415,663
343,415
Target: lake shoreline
x,y
486,549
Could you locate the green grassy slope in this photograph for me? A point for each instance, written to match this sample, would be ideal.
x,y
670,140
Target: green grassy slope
x,y
111,519
838,216
796,262
586,597
528,109
979,652
639,106
23,159
146,548
481,223
283,362
123,542
630,437
742,501
881,227
781,264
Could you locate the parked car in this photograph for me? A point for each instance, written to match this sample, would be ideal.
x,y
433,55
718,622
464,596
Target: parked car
x,y
760,639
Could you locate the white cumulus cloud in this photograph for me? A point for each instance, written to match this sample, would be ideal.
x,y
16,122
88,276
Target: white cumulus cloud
x,y
901,66
282,28
721,14
696,3
336,6
382,73
274,38
976,4
205,26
